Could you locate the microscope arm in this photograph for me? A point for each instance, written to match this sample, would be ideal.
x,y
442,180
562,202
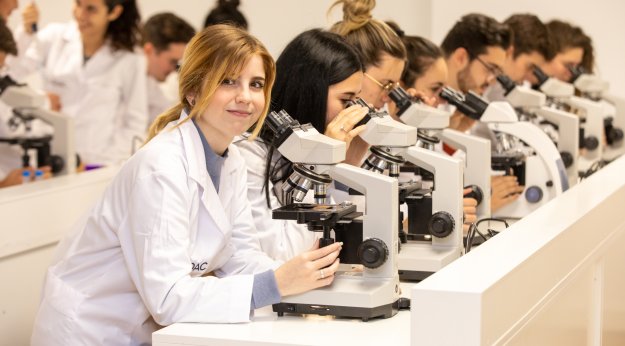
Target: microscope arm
x,y
447,191
568,140
380,219
477,164
544,147
62,143
593,125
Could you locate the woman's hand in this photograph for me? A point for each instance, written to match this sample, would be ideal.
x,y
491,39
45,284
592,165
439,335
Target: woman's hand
x,y
505,190
469,210
309,270
55,102
430,101
342,126
30,16
13,178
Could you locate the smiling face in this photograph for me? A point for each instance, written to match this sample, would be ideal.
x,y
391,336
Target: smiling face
x,y
341,92
93,16
236,104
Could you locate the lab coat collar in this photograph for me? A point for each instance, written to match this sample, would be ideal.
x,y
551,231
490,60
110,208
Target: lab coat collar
x,y
215,203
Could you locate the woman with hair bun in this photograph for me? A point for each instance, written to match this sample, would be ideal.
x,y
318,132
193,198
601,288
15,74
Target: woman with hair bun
x,y
226,12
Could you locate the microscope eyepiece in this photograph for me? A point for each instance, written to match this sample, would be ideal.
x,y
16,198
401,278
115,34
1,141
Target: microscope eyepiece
x,y
401,99
540,75
471,104
507,83
576,71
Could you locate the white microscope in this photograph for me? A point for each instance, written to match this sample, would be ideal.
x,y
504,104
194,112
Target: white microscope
x,y
370,239
594,88
538,166
57,151
592,117
418,258
563,127
434,123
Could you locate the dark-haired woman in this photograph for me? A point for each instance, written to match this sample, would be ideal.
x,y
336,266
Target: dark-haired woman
x,y
317,73
91,73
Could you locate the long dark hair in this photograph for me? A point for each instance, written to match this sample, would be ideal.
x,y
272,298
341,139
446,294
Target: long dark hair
x,y
125,31
307,67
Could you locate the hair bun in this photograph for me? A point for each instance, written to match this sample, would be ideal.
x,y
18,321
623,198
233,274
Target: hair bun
x,y
357,12
231,4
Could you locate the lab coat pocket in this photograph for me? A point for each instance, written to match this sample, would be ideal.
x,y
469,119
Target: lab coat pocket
x,y
57,321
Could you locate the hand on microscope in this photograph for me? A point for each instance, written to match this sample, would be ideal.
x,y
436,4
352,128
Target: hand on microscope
x,y
342,126
469,213
30,17
15,176
421,96
309,270
505,189
55,102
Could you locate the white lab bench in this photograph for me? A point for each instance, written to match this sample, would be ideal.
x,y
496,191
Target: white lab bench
x,y
267,328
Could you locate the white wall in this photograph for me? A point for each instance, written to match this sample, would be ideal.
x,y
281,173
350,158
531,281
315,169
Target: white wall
x,y
275,22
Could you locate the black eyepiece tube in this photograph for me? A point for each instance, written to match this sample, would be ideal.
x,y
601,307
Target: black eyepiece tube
x,y
540,75
507,83
470,105
401,99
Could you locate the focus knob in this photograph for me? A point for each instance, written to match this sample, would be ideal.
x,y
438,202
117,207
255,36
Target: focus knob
x,y
591,143
476,193
372,253
441,224
533,194
614,135
567,159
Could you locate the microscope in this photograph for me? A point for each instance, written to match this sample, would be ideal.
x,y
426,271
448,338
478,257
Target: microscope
x,y
562,127
57,151
594,88
370,239
521,149
592,116
433,126
437,207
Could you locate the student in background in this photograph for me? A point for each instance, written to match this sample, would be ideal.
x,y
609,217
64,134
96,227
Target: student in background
x,y
226,12
165,36
382,54
92,73
172,239
572,48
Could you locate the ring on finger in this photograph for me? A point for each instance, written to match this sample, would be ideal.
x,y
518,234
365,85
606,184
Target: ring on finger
x,y
322,274
343,129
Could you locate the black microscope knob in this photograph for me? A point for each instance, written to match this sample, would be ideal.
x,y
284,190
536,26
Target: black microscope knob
x,y
476,193
441,224
567,158
614,135
591,143
372,253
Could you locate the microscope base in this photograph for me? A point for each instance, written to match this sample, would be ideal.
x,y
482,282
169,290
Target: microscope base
x,y
350,295
418,260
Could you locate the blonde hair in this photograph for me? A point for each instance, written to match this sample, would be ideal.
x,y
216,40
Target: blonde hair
x,y
214,54
369,36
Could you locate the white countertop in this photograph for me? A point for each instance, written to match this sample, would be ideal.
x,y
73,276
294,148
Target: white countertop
x,y
267,328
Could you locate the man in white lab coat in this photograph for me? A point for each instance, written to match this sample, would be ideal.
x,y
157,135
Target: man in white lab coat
x,y
165,37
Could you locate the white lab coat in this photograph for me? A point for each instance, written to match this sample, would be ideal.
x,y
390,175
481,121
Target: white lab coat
x,y
106,95
140,259
280,239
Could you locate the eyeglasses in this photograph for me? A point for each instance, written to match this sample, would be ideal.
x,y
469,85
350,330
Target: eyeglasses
x,y
386,87
493,69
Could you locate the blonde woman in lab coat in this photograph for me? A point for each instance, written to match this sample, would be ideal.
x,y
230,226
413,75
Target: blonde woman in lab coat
x,y
91,72
164,242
